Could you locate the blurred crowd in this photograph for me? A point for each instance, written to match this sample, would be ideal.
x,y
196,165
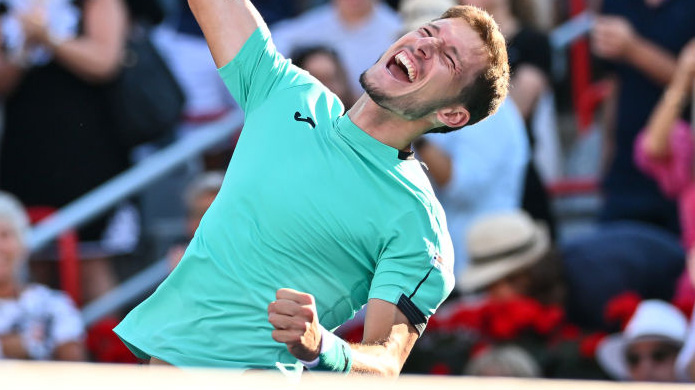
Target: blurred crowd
x,y
534,297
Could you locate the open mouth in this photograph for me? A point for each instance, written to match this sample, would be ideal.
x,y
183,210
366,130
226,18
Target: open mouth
x,y
402,68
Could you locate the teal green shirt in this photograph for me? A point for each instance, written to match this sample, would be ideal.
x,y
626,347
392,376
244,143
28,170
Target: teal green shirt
x,y
310,202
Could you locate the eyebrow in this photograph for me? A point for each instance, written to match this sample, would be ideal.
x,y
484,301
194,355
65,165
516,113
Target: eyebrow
x,y
451,47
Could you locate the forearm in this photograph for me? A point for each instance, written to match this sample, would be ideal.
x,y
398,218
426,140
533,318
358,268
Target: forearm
x,y
652,60
227,24
665,115
527,86
96,55
88,60
13,347
71,351
381,359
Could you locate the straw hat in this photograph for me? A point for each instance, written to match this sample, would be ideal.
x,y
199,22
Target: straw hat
x,y
501,244
416,13
653,319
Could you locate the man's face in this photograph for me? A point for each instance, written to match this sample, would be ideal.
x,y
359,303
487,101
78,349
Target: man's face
x,y
651,361
426,69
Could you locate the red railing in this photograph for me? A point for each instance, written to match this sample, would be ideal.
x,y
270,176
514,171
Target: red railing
x,y
68,255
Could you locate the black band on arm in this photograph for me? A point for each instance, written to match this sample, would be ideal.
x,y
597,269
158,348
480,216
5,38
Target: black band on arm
x,y
412,313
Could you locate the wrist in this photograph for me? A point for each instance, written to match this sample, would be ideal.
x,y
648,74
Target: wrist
x,y
335,354
325,343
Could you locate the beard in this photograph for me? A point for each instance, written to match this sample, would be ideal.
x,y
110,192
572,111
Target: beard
x,y
407,106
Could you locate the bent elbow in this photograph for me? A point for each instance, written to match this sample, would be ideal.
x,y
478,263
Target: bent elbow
x,y
655,149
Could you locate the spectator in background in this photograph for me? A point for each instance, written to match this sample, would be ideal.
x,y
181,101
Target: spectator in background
x,y
647,349
183,46
477,172
59,140
506,251
324,64
358,30
511,256
35,322
619,257
198,197
531,90
665,150
641,39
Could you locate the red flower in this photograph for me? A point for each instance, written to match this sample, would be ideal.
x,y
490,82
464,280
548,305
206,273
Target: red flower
x,y
685,305
621,307
549,320
524,311
569,332
588,345
440,369
468,317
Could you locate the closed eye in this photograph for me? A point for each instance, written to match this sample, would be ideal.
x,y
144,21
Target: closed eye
x,y
451,60
427,31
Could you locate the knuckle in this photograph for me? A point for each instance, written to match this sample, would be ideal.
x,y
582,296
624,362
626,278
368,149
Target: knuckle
x,y
307,313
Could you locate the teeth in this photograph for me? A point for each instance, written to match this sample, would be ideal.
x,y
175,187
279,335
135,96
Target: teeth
x,y
402,59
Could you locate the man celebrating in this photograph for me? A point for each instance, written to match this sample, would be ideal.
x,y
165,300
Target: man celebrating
x,y
321,213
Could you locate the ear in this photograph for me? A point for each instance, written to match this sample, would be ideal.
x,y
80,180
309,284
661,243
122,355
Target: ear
x,y
453,116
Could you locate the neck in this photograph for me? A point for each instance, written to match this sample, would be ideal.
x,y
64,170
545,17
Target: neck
x,y
386,126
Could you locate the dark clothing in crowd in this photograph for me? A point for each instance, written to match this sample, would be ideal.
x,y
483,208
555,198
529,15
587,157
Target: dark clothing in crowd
x,y
619,257
629,193
530,47
59,141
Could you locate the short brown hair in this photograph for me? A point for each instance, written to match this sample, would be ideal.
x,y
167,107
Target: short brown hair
x,y
484,96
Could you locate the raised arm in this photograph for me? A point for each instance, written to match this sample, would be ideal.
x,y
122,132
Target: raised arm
x,y
94,56
670,107
387,342
227,24
614,38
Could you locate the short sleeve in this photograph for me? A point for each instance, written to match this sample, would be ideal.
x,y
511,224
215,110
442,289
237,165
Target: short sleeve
x,y
257,70
415,270
674,172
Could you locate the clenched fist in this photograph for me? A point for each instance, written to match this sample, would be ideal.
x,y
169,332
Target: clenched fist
x,y
293,314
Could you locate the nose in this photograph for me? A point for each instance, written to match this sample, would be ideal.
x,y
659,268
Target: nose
x,y
427,47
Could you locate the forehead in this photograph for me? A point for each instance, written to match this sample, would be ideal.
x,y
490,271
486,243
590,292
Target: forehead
x,y
459,34
467,44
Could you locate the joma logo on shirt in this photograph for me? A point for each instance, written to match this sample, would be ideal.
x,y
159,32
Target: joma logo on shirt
x,y
298,118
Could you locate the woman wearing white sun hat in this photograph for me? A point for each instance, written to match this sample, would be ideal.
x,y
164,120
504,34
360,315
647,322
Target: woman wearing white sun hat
x,y
648,347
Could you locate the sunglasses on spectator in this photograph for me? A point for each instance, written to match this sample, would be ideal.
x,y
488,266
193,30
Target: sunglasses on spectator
x,y
657,356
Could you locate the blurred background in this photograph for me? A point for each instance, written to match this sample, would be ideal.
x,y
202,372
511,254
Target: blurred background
x,y
572,210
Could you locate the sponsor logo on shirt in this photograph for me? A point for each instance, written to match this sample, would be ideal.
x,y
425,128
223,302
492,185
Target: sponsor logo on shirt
x,y
308,119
